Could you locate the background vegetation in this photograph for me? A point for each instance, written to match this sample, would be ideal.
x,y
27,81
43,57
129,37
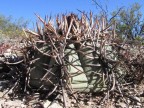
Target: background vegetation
x,y
130,24
10,27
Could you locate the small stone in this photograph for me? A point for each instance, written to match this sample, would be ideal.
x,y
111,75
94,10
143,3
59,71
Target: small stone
x,y
46,104
139,104
128,101
137,98
55,105
121,104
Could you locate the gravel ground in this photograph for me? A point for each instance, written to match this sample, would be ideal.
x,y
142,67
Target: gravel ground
x,y
132,98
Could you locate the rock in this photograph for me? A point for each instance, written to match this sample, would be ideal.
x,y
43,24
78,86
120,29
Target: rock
x,y
121,105
137,98
46,103
139,104
55,105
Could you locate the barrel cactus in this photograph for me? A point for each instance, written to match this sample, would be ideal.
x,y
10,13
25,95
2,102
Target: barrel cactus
x,y
80,46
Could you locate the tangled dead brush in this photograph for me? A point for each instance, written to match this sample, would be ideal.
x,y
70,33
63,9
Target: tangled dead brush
x,y
76,55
